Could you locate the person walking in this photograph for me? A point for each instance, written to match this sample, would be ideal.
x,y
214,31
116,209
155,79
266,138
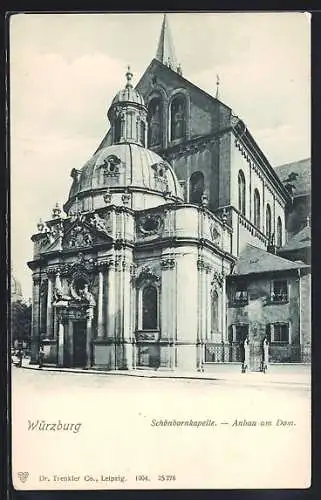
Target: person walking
x,y
41,356
19,356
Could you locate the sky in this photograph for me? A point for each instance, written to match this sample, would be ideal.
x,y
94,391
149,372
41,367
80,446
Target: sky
x,y
66,68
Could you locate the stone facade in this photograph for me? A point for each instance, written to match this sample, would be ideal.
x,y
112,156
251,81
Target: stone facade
x,y
139,269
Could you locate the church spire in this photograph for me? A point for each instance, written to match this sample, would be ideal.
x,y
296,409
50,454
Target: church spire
x,y
165,50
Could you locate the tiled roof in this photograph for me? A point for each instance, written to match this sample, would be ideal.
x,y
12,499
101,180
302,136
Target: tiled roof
x,y
254,260
302,239
298,174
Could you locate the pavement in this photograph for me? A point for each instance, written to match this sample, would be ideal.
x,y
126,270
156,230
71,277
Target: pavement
x,y
290,375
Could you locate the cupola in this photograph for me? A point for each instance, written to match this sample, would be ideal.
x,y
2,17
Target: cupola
x,y
128,115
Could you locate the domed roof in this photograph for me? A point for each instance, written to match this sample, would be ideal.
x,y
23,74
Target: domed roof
x,y
128,94
126,165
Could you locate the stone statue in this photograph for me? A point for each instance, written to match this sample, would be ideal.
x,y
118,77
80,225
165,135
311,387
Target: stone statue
x,y
265,361
246,362
58,291
178,123
98,223
86,295
155,126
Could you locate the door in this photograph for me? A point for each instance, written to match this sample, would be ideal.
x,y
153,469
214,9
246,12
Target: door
x,y
79,338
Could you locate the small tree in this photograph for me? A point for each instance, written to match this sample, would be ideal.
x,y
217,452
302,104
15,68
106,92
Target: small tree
x,y
20,322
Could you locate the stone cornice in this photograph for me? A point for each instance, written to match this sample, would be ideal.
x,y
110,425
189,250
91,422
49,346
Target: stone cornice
x,y
255,156
179,241
191,146
116,189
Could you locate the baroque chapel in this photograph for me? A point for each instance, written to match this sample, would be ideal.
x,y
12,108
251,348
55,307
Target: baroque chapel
x,y
168,252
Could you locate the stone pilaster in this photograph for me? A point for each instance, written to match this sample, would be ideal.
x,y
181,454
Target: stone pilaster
x,y
127,330
224,311
200,320
90,314
49,318
168,307
111,298
208,311
100,302
133,308
35,333
61,339
70,342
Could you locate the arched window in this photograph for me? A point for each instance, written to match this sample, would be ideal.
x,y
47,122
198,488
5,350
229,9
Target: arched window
x,y
178,118
268,221
214,316
155,110
257,209
241,183
142,133
150,308
279,232
196,187
118,129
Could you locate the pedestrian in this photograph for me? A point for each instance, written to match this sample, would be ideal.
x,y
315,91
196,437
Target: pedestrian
x,y
19,356
41,356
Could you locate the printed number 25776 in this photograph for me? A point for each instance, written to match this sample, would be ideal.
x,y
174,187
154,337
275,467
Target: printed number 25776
x,y
167,477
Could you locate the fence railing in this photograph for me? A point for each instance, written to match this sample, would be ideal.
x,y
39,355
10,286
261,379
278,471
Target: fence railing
x,y
224,353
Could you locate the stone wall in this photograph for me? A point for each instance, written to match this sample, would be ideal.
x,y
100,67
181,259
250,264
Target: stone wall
x,y
305,310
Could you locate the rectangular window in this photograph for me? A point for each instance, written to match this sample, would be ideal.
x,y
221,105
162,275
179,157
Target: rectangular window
x,y
241,295
183,189
280,332
240,333
279,291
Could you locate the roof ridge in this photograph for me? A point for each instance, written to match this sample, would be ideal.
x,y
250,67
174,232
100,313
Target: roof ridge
x,y
291,162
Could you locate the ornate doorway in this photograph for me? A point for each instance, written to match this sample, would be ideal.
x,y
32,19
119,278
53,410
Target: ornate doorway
x,y
79,343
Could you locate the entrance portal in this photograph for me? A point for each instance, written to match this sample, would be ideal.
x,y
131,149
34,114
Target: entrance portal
x,y
79,342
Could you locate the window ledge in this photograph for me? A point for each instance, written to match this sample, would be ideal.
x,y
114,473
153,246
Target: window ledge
x,y
279,301
239,303
147,335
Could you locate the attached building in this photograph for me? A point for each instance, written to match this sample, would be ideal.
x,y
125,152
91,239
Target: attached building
x,y
139,270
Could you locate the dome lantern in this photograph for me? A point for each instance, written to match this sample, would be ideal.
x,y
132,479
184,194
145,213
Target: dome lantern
x,y
128,115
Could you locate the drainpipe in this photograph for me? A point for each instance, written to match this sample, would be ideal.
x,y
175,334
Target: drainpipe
x,y
300,306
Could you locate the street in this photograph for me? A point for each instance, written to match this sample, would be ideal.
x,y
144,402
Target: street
x,y
116,427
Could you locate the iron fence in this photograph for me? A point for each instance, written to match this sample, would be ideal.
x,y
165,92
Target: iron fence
x,y
224,353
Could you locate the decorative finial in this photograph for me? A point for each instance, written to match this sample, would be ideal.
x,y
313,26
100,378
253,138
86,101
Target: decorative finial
x,y
56,211
217,86
308,221
129,76
126,197
204,200
179,69
107,197
40,225
78,206
224,216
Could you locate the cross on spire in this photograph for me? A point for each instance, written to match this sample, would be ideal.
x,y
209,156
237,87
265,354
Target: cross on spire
x,y
217,86
165,50
129,76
